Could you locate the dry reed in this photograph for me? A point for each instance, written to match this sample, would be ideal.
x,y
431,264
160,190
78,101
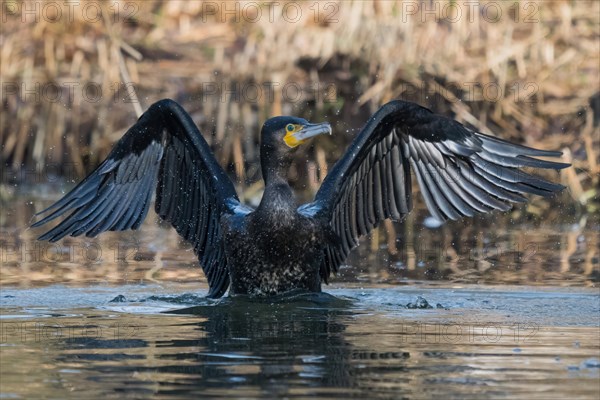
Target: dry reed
x,y
532,76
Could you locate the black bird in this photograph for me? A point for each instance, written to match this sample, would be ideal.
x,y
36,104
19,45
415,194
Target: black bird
x,y
280,247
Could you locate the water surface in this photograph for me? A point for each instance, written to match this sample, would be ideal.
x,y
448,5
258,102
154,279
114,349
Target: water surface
x,y
493,308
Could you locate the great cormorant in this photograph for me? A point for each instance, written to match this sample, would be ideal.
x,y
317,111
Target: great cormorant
x,y
279,246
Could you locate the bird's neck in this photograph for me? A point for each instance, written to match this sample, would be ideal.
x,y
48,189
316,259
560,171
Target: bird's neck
x,y
278,195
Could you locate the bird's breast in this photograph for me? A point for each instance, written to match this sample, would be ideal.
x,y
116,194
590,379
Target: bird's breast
x,y
274,255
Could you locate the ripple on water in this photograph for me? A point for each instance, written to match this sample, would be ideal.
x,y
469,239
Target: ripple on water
x,y
170,343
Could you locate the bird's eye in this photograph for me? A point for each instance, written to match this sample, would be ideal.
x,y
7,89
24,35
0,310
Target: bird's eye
x,y
289,128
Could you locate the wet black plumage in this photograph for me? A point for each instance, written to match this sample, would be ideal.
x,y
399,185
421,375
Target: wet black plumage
x,y
279,246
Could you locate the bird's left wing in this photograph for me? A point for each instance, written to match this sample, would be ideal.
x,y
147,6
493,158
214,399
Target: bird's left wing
x,y
460,172
164,149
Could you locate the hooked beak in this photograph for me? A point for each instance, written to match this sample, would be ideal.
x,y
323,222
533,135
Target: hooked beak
x,y
308,131
312,130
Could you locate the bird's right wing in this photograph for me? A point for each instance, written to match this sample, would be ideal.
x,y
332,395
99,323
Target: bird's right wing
x,y
460,172
164,149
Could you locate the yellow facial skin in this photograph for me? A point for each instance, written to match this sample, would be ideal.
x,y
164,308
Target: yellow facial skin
x,y
289,138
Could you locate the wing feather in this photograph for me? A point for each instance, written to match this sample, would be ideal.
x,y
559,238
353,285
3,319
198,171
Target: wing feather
x,y
460,173
163,151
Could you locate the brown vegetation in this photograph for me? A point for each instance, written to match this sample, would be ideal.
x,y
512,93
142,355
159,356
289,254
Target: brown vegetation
x,y
72,84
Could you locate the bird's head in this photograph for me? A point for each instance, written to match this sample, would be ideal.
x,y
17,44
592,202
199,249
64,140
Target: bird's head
x,y
280,136
289,132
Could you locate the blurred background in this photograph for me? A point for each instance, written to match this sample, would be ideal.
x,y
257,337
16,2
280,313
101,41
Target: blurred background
x,y
76,76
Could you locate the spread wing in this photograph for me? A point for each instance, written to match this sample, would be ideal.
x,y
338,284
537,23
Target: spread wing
x,y
164,149
460,173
